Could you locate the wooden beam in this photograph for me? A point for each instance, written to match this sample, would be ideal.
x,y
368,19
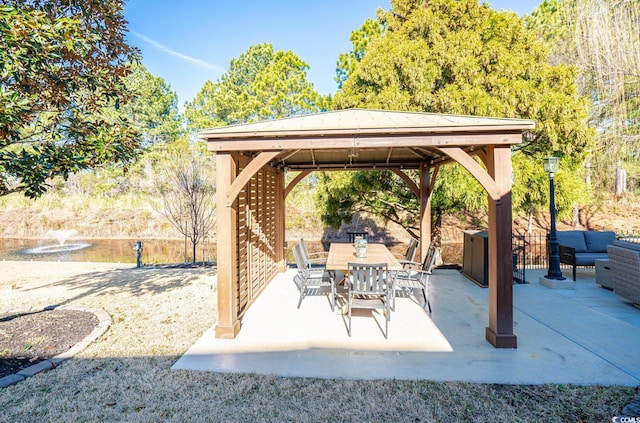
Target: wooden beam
x,y
228,324
482,155
476,170
250,132
346,141
426,189
407,180
341,166
241,180
280,221
500,330
295,181
434,174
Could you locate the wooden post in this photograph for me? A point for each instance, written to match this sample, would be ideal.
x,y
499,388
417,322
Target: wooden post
x,y
500,330
280,221
425,209
228,324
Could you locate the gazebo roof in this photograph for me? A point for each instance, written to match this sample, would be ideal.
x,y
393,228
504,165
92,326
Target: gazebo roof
x,y
360,138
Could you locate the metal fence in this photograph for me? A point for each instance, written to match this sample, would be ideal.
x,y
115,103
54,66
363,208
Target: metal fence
x,y
530,251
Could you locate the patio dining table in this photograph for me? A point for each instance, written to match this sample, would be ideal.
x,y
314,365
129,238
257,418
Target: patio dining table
x,y
340,254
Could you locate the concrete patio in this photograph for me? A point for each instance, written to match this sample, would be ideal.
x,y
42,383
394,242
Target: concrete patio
x,y
584,336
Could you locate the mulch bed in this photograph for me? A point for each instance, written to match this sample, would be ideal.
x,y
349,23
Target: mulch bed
x,y
30,337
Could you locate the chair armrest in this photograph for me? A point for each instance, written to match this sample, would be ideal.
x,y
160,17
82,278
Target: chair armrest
x,y
415,279
408,264
567,254
321,254
319,262
411,272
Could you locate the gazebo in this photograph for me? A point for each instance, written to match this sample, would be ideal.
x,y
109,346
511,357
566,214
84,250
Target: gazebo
x,y
251,161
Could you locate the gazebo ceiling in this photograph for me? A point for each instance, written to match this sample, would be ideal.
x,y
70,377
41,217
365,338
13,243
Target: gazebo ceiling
x,y
360,138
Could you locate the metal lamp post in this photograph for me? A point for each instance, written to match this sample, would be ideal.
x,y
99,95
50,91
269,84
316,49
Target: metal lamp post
x,y
554,272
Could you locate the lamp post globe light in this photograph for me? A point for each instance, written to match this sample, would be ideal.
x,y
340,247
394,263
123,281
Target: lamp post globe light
x,y
554,272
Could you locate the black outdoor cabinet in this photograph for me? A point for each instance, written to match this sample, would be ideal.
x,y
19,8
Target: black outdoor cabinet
x,y
475,257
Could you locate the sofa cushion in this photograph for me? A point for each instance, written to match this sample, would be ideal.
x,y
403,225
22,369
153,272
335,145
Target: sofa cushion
x,y
573,239
597,241
627,245
589,259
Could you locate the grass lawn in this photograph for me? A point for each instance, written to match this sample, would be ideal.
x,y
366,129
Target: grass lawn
x,y
158,313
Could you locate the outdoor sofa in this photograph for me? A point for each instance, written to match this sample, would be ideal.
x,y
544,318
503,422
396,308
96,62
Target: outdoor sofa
x,y
583,248
624,261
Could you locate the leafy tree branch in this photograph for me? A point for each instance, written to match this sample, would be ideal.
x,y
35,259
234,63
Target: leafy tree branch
x,y
62,63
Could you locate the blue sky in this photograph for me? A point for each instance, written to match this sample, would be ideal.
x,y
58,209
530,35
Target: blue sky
x,y
192,41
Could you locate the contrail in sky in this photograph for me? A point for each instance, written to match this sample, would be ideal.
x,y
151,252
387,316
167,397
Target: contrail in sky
x,y
166,49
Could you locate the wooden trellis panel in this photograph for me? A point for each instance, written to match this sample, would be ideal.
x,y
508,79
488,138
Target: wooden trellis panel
x,y
256,220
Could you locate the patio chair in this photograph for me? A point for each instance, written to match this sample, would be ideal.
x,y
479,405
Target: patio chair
x,y
351,235
407,280
307,278
407,258
318,259
369,288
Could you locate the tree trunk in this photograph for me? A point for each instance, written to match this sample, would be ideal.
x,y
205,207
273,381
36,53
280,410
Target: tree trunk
x,y
194,243
588,172
621,181
530,220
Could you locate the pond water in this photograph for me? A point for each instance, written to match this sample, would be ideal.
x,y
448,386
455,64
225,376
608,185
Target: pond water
x,y
155,251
